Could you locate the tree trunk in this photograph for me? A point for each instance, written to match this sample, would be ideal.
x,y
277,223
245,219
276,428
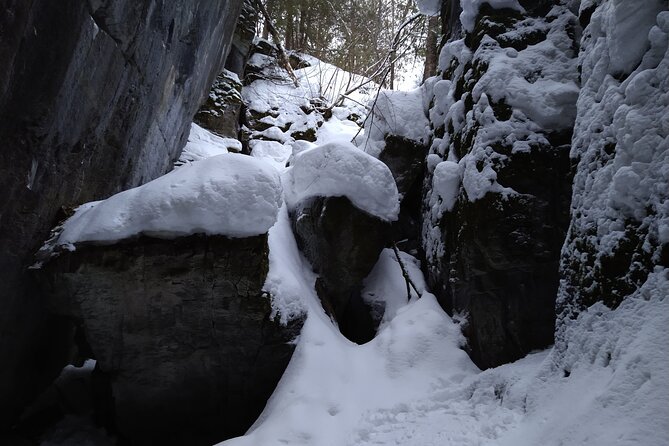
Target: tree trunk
x,y
431,50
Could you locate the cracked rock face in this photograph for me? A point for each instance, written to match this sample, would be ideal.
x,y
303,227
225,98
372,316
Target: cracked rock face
x,y
180,330
95,97
406,160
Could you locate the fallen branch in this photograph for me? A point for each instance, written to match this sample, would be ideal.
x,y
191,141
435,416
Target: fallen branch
x,y
405,273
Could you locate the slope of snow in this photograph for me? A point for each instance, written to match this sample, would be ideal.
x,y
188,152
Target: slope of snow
x,y
288,109
335,129
230,194
271,151
341,169
385,289
332,383
290,280
429,7
204,144
609,386
413,385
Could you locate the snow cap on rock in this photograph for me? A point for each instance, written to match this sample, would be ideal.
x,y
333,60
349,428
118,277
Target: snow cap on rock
x,y
230,194
341,169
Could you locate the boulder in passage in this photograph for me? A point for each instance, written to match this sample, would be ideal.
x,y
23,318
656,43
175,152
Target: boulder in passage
x,y
180,329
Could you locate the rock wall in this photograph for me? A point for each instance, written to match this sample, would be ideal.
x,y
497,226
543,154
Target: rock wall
x,y
619,229
95,97
242,40
406,160
496,195
222,111
180,330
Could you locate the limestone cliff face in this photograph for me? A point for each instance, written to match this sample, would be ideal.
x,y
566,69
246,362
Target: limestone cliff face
x,y
619,230
95,97
496,194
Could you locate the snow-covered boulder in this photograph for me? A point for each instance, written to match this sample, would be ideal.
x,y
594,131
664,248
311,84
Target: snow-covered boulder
x,y
181,331
343,244
341,202
340,169
165,282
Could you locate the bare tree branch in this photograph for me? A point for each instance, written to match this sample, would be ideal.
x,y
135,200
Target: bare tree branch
x,y
405,273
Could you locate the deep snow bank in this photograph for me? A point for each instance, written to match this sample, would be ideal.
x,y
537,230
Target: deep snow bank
x,y
203,144
397,113
332,383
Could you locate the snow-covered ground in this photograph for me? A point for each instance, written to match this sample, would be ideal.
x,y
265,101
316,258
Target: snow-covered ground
x,y
414,385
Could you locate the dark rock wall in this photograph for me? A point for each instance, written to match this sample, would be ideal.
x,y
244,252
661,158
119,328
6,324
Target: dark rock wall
x,y
180,330
493,254
222,111
242,40
450,19
95,97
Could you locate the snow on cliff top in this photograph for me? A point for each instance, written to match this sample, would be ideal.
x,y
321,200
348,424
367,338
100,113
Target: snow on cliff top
x,y
230,194
340,169
399,113
470,9
429,7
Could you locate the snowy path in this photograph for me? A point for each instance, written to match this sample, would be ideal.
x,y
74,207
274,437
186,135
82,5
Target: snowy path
x,y
414,384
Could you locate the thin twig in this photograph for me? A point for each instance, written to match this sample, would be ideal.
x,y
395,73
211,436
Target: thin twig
x,y
386,62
